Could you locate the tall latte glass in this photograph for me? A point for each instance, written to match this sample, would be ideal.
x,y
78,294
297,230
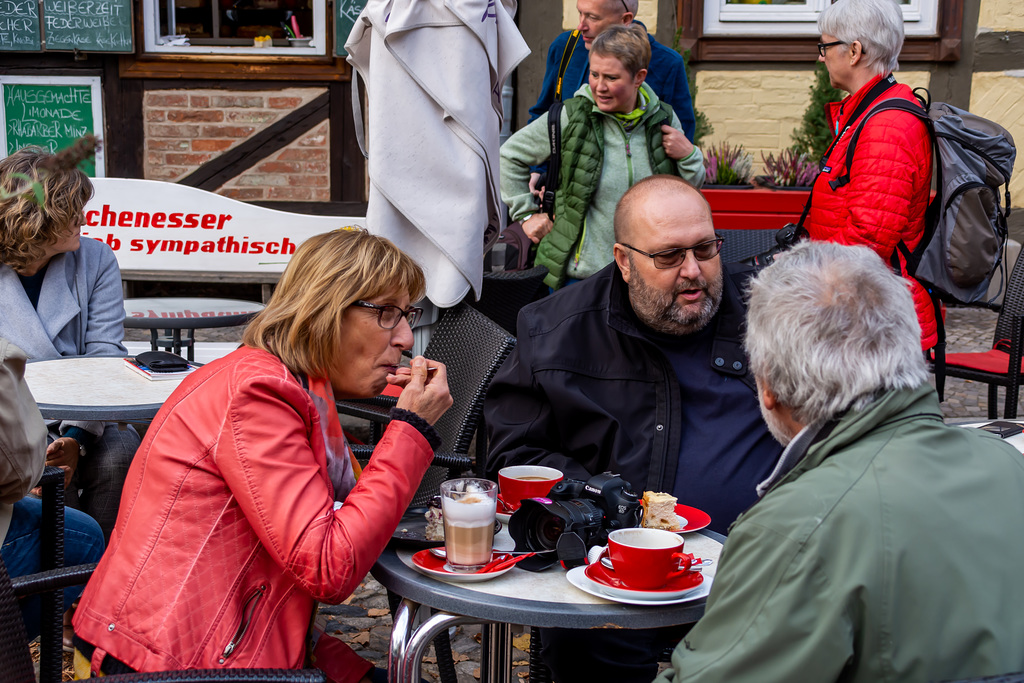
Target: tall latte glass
x,y
468,506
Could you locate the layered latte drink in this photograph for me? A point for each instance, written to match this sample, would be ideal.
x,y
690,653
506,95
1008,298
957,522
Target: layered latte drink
x,y
468,506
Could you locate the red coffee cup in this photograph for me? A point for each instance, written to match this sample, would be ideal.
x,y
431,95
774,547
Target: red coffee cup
x,y
525,481
647,558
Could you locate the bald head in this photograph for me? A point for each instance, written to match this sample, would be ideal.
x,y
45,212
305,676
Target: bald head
x,y
646,195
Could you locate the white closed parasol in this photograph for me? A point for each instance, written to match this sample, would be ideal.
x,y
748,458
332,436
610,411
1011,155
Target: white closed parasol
x,y
433,71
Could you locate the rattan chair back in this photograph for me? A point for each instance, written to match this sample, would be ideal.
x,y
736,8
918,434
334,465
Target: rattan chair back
x,y
15,660
505,292
1013,302
472,347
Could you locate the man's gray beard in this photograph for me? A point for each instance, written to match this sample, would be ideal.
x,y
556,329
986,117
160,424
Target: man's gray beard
x,y
663,313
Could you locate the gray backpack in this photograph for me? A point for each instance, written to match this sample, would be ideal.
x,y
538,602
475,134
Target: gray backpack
x,y
965,225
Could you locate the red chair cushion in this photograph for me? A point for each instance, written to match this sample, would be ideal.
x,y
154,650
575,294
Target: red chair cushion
x,y
994,361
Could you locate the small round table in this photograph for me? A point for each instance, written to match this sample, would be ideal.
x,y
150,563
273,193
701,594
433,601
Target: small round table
x,y
174,314
552,603
95,388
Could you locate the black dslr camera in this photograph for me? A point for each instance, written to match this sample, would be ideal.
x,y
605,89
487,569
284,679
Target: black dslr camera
x,y
788,236
575,516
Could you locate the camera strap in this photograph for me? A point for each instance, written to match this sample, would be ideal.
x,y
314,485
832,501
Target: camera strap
x,y
570,47
547,203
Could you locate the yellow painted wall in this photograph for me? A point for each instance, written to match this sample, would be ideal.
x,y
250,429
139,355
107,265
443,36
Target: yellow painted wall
x,y
1000,96
1001,15
647,13
761,109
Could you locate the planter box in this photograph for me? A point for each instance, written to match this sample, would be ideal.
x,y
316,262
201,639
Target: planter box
x,y
748,218
755,208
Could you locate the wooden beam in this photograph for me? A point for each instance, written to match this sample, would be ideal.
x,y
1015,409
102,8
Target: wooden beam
x,y
124,138
231,163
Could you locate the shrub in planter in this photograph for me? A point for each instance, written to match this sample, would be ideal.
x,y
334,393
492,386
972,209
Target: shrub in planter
x,y
789,169
814,134
727,165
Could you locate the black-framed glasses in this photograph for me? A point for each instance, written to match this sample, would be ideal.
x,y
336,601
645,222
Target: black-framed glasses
x,y
824,46
389,315
671,258
624,6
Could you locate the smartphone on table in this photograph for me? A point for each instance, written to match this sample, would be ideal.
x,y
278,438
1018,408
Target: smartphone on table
x,y
1002,428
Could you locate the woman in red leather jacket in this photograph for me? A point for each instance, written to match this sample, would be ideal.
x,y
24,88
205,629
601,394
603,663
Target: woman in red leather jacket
x,y
229,531
890,177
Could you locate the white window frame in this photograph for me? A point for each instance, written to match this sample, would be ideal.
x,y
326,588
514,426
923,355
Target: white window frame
x,y
155,44
721,18
98,125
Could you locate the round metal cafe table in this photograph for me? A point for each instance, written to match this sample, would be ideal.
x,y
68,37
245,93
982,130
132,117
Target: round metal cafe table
x,y
431,606
174,314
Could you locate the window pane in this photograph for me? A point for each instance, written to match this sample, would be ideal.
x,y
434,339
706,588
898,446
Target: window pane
x,y
236,22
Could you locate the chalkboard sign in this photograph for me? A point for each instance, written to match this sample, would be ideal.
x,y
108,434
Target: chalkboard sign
x,y
19,25
86,25
51,112
344,19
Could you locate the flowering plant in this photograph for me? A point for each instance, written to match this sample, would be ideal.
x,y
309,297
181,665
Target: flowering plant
x,y
789,169
727,165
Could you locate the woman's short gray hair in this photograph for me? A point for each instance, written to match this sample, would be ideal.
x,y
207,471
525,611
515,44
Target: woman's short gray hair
x,y
877,24
830,326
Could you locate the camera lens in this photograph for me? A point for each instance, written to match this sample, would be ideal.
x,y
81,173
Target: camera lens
x,y
548,530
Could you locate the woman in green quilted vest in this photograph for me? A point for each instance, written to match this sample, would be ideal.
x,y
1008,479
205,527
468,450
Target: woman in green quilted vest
x,y
614,133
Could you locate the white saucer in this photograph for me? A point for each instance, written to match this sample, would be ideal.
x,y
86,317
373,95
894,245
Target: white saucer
x,y
578,578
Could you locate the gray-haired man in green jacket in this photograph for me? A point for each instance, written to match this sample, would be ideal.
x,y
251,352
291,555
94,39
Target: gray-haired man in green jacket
x,y
887,546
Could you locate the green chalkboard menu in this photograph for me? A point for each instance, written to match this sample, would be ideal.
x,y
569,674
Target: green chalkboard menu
x,y
86,25
51,112
346,13
19,25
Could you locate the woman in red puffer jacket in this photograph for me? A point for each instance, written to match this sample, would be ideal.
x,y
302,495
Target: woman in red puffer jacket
x,y
890,177
243,506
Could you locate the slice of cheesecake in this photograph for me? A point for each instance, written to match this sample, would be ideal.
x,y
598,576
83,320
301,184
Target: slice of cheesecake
x,y
660,512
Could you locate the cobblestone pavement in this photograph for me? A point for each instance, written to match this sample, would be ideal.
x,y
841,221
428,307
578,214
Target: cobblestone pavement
x,y
364,621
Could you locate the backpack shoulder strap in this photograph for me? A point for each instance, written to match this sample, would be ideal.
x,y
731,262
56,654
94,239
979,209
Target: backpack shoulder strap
x,y
547,203
890,104
570,47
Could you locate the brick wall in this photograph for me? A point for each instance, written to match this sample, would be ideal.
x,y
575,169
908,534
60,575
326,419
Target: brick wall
x,y
760,109
187,128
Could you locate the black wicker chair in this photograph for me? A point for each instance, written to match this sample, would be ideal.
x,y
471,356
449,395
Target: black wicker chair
x,y
472,347
16,658
505,292
742,244
1000,366
51,544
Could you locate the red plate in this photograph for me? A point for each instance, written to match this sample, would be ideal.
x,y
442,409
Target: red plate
x,y
695,519
430,564
507,508
676,587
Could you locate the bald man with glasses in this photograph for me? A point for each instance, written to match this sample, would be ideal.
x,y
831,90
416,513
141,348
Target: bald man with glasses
x,y
638,370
